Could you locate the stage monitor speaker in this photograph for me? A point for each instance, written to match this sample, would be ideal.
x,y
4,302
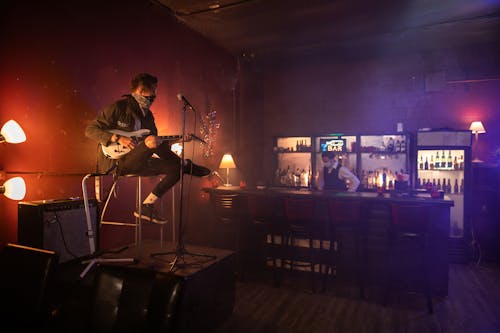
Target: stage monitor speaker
x,y
57,225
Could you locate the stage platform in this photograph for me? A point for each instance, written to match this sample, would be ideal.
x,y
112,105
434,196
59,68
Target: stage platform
x,y
205,279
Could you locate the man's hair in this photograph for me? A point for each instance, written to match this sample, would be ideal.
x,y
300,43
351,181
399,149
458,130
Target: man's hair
x,y
143,79
329,154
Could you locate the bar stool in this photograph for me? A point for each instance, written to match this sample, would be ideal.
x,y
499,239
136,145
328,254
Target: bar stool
x,y
301,222
345,221
409,224
137,224
265,226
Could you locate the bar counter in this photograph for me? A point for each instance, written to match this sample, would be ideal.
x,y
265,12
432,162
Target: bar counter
x,y
388,197
377,216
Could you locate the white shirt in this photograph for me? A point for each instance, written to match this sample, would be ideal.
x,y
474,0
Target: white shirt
x,y
344,174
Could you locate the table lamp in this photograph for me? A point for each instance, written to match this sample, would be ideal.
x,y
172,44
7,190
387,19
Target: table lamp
x,y
477,128
227,163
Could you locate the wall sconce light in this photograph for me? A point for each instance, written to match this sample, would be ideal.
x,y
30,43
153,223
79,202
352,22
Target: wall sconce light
x,y
477,128
227,163
11,132
14,188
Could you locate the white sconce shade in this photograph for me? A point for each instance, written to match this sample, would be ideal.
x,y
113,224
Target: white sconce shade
x,y
14,188
11,132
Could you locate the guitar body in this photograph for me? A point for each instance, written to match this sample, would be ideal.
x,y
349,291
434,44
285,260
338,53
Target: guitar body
x,y
115,150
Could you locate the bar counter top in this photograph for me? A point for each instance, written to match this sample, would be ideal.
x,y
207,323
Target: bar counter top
x,y
388,197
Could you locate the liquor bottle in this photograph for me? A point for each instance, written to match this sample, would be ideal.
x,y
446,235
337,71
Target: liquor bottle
x,y
443,161
461,162
432,165
448,186
455,187
438,186
437,162
426,165
462,186
419,183
449,165
421,164
390,145
397,148
455,164
403,145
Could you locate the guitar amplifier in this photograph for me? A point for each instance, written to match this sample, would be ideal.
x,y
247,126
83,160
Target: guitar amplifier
x,y
58,225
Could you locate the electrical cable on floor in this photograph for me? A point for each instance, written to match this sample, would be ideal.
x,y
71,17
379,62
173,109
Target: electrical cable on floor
x,y
475,245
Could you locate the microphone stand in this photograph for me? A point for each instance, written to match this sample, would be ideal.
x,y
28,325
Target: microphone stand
x,y
180,250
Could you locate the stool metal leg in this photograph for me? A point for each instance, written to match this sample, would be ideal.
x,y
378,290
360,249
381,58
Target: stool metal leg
x,y
138,220
91,233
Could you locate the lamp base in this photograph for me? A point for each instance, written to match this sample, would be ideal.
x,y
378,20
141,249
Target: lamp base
x,y
228,185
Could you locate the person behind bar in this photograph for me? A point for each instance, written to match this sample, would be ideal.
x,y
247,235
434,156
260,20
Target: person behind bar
x,y
151,156
335,176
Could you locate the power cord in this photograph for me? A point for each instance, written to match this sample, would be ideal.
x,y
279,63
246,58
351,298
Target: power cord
x,y
475,246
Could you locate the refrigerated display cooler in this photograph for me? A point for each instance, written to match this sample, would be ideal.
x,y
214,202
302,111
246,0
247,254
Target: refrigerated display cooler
x,y
444,163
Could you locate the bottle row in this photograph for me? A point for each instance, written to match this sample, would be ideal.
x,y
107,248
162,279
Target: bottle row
x,y
436,161
288,146
384,178
293,177
445,185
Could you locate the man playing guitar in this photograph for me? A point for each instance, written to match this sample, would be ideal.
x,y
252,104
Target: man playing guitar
x,y
132,114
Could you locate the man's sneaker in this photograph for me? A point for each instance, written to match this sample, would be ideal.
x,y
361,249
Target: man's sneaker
x,y
149,213
196,170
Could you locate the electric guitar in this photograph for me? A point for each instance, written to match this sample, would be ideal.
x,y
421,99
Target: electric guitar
x,y
115,150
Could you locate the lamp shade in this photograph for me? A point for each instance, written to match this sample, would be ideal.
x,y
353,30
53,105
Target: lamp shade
x,y
227,162
14,188
11,132
477,127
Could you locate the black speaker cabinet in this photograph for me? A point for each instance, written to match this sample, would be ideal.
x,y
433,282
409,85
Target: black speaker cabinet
x,y
57,225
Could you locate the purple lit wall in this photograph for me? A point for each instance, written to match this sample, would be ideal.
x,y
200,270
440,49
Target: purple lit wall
x,y
443,88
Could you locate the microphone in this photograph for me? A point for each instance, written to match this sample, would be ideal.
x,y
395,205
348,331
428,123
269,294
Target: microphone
x,y
183,99
215,173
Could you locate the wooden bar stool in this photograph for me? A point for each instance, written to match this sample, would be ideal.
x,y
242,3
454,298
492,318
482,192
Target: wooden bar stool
x,y
346,236
302,223
409,226
265,231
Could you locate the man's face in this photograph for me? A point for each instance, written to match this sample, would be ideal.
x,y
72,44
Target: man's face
x,y
149,93
326,159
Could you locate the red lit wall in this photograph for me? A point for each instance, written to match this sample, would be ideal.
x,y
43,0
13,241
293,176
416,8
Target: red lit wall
x,y
62,62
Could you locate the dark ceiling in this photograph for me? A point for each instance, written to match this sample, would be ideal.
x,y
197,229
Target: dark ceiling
x,y
266,29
